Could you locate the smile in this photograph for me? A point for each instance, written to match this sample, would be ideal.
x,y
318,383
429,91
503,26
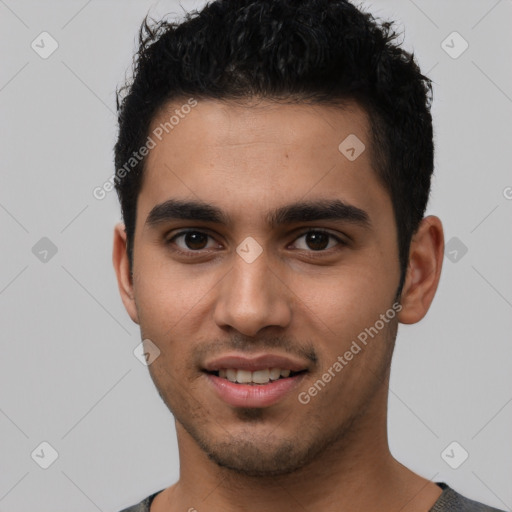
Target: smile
x,y
264,376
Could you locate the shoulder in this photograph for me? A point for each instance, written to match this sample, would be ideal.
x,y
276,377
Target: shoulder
x,y
451,501
142,506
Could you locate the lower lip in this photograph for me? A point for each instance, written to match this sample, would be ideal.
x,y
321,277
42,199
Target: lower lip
x,y
253,395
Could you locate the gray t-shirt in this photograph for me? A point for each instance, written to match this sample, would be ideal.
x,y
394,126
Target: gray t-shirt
x,y
449,501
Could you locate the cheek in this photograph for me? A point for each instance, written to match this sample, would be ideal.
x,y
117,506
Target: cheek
x,y
173,303
171,298
340,312
346,300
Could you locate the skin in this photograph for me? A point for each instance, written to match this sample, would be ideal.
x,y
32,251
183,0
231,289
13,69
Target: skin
x,y
331,454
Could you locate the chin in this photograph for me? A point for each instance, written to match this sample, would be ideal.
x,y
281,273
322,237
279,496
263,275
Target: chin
x,y
261,459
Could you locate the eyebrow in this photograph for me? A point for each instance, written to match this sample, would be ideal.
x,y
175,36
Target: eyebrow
x,y
307,211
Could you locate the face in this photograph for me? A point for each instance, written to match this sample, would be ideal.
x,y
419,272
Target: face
x,y
262,254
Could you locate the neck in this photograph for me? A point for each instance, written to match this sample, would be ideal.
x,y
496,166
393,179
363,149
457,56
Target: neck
x,y
356,472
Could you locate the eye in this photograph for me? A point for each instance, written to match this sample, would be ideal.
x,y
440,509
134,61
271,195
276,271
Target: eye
x,y
192,241
313,240
318,240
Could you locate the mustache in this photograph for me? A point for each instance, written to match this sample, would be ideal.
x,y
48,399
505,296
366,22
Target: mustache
x,y
246,344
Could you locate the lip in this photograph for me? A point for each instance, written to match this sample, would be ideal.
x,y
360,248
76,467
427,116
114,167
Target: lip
x,y
253,395
255,363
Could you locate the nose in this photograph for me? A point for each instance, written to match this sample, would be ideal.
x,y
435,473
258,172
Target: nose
x,y
252,297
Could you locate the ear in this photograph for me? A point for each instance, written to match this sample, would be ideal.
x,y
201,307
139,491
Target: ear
x,y
424,270
122,268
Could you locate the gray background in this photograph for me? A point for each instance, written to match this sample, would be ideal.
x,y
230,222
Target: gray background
x,y
68,375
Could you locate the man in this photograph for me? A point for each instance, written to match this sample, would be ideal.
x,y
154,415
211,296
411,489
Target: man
x,y
273,167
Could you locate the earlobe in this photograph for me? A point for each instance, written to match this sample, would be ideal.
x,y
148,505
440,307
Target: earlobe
x,y
424,270
122,269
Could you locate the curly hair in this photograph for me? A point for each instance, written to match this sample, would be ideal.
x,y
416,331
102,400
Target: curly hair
x,y
316,51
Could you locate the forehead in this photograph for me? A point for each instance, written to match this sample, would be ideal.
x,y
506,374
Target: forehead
x,y
230,125
259,155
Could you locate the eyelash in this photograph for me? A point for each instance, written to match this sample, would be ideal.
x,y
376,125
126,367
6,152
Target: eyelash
x,y
194,253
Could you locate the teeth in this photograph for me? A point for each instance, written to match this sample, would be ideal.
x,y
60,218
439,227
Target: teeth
x,y
275,373
257,377
243,376
261,376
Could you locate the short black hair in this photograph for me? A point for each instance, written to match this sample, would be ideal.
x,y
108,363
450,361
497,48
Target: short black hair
x,y
299,51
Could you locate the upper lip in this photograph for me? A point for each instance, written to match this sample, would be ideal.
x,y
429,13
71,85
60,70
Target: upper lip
x,y
255,363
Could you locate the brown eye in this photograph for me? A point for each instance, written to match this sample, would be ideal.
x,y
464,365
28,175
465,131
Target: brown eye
x,y
196,240
191,240
315,240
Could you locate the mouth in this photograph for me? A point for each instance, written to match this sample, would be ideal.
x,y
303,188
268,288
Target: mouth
x,y
257,378
254,394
